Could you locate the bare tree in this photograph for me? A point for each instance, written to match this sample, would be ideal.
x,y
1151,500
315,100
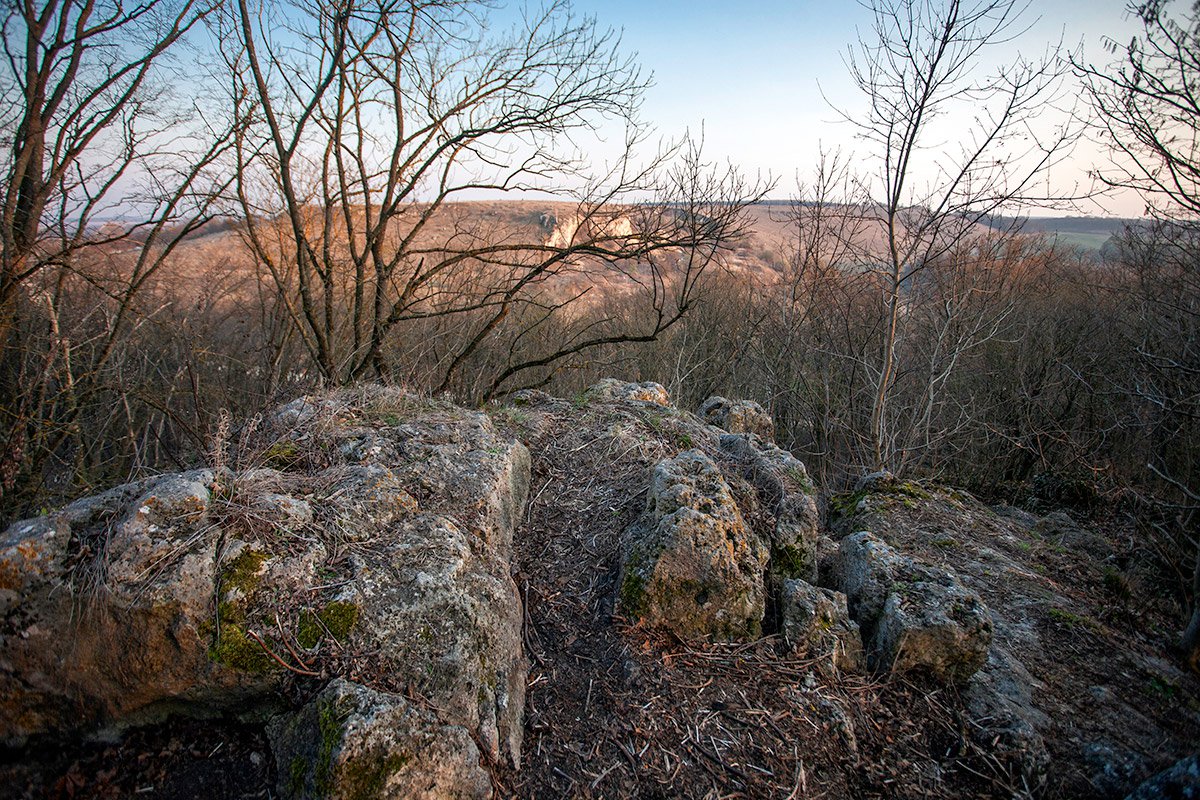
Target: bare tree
x,y
1147,106
1148,109
374,115
921,67
84,125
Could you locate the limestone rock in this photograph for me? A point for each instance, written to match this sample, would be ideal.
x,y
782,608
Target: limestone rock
x,y
351,741
380,530
913,616
106,605
690,564
865,568
934,625
1004,717
783,482
1178,782
737,416
438,609
611,390
364,500
816,623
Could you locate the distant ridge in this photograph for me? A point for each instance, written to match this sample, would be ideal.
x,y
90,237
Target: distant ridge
x,y
1088,233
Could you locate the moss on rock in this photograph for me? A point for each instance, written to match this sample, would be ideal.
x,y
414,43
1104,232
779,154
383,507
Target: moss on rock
x,y
337,618
235,649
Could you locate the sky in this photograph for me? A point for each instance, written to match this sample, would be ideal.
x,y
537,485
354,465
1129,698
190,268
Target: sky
x,y
755,76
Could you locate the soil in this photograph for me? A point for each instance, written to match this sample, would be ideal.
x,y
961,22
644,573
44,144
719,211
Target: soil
x,y
181,760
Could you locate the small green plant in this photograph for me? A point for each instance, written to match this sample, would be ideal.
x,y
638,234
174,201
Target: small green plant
x,y
1069,619
1162,687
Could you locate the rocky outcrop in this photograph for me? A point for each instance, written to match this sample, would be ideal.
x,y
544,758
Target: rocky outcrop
x,y
691,564
355,587
914,617
372,546
725,525
590,227
1037,695
737,416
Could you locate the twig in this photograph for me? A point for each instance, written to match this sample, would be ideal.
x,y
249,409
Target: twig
x,y
279,660
283,638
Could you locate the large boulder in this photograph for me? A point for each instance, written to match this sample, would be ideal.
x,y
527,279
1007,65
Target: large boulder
x,y
107,606
690,563
737,416
373,542
914,616
611,390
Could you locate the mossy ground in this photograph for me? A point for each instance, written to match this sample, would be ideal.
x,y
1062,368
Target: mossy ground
x,y
243,572
906,492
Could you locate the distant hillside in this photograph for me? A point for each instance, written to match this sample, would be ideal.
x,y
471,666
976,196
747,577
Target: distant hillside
x,y
1088,233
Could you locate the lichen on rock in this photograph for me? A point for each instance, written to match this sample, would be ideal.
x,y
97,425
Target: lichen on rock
x,y
217,584
737,416
691,564
913,616
354,743
816,623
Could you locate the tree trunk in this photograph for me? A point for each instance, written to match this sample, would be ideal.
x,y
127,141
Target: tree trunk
x,y
1191,637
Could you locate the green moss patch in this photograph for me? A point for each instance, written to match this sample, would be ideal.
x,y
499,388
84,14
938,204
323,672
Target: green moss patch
x,y
365,778
330,725
1070,619
843,505
633,593
235,649
283,455
297,773
337,617
242,573
906,492
788,561
800,478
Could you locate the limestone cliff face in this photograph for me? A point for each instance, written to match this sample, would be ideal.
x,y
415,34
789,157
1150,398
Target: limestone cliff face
x,y
600,226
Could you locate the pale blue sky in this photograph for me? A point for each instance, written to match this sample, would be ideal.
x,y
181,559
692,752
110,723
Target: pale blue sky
x,y
749,72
